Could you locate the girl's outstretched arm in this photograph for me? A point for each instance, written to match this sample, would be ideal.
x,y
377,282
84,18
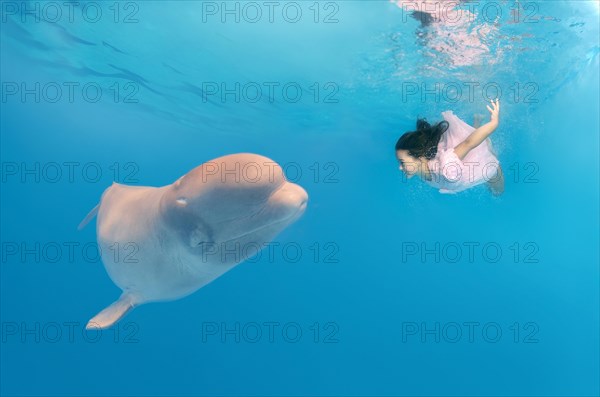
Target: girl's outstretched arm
x,y
481,133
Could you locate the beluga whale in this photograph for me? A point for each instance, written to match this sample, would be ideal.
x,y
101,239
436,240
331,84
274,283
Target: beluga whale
x,y
163,243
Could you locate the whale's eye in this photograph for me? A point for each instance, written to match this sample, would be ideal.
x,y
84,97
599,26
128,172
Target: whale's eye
x,y
200,239
206,247
182,201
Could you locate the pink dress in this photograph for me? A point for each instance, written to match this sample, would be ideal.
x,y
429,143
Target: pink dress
x,y
451,175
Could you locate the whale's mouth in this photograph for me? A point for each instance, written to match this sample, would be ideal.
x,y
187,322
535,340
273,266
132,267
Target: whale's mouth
x,y
288,197
302,206
288,219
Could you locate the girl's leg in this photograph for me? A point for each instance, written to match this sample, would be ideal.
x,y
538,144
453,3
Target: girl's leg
x,y
496,184
477,118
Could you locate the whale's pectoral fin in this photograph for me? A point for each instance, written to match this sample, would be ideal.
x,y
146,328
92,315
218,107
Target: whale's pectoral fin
x,y
112,313
88,217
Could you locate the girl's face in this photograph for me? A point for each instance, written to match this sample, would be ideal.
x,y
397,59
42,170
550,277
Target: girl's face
x,y
407,163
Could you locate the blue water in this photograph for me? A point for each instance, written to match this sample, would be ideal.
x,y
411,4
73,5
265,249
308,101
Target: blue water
x,y
378,293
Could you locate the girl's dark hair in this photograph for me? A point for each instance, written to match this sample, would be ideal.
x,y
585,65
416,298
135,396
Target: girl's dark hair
x,y
424,141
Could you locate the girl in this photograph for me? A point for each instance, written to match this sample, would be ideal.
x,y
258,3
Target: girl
x,y
451,155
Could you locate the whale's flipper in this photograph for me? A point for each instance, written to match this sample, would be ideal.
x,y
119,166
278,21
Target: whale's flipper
x,y
89,217
112,313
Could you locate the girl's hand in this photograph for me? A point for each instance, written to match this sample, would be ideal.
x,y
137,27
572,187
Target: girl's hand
x,y
494,111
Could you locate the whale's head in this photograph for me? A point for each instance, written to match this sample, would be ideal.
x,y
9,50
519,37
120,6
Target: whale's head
x,y
228,208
